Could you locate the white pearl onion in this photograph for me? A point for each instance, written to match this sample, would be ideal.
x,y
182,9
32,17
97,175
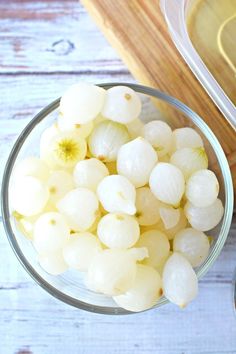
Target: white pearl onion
x,y
136,160
180,283
145,291
167,183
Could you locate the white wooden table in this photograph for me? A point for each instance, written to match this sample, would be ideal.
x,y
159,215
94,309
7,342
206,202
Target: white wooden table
x,y
44,47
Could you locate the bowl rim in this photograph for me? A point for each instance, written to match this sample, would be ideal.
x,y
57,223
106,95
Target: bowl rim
x,y
195,118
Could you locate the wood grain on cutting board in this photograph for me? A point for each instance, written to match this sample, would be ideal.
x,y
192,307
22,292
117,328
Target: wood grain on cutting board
x,y
137,29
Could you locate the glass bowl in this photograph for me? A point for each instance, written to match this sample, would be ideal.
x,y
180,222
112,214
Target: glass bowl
x,y
69,287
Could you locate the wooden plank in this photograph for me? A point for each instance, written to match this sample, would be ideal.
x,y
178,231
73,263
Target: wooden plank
x,y
138,31
65,329
52,36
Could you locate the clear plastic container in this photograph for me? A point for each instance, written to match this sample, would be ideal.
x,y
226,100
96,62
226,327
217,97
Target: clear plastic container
x,y
176,13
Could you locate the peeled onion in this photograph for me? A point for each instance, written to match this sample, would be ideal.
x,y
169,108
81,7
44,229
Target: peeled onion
x,y
145,291
106,139
158,247
190,160
193,245
202,188
53,263
113,271
82,130
118,230
117,195
171,232
32,166
147,207
89,173
65,150
80,250
80,207
122,104
59,183
136,160
51,232
82,102
204,219
28,195
169,216
186,138
180,283
159,135
167,183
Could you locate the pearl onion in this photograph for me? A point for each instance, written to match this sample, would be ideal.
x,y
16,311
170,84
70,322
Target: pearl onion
x,y
59,183
28,195
167,183
136,160
169,216
118,230
158,247
190,160
144,293
193,245
113,271
147,207
80,250
82,130
51,232
202,188
180,283
204,219
159,134
117,195
106,140
82,102
32,166
89,173
122,104
80,207
186,138
53,263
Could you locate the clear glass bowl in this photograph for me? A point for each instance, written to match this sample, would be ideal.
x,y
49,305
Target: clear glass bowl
x,y
69,287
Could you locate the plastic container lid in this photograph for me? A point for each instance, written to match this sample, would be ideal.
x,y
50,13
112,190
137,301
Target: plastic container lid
x,y
175,12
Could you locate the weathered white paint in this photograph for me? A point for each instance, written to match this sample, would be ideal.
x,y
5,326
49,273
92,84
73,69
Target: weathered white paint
x,y
48,36
31,321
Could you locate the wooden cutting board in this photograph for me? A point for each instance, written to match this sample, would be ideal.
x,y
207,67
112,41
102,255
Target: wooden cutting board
x,y
137,30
